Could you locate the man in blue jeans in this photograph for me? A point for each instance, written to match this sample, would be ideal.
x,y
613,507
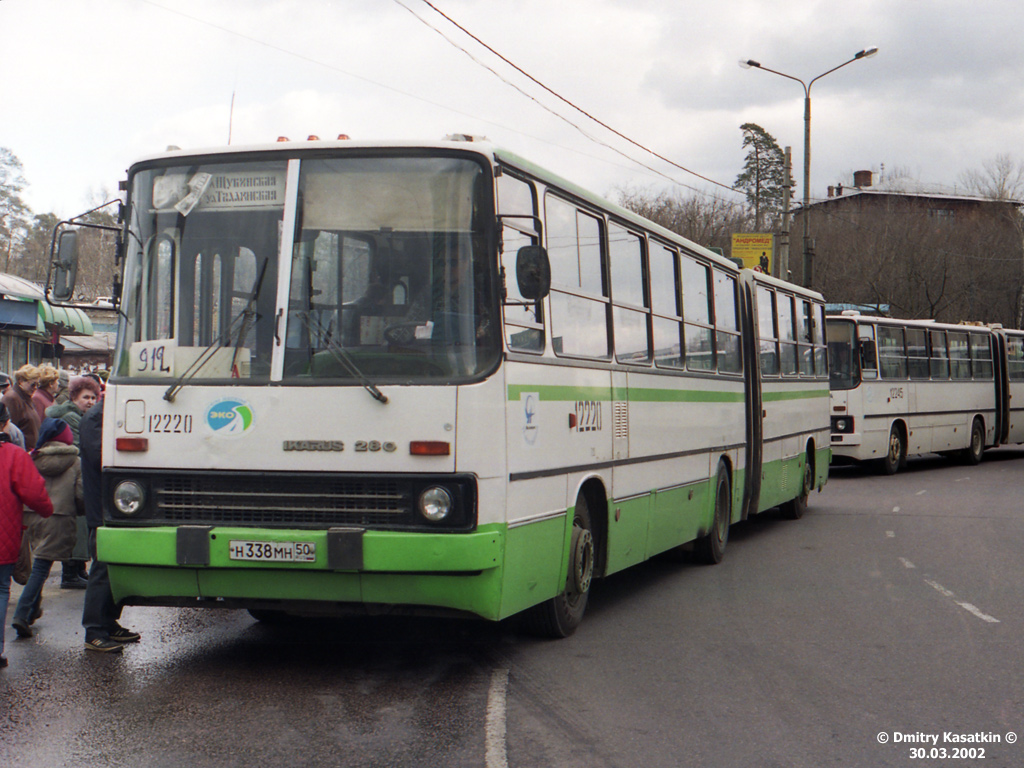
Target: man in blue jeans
x,y
99,613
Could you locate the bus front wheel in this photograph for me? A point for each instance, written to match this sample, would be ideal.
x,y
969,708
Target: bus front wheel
x,y
561,615
896,455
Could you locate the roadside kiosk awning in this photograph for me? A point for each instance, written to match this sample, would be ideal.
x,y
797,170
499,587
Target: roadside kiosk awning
x,y
68,321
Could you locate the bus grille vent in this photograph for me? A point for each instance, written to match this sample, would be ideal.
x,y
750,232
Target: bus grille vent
x,y
306,501
620,419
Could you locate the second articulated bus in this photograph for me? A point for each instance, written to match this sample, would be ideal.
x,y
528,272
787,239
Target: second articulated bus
x,y
905,387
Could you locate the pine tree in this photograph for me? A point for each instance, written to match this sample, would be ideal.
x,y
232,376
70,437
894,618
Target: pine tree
x,y
764,176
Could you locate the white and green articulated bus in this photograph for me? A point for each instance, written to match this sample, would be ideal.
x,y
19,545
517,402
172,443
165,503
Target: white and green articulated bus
x,y
908,387
433,378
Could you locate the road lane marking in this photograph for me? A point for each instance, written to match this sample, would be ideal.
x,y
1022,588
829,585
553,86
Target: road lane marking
x,y
921,493
890,534
495,730
970,608
907,563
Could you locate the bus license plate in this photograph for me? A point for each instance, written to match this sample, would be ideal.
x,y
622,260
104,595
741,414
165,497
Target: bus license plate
x,y
273,551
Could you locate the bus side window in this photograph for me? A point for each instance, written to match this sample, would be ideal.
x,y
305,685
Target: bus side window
x,y
766,331
524,321
917,353
700,350
727,331
1015,355
939,358
579,304
868,351
625,251
787,335
805,323
664,267
820,351
959,359
981,356
892,352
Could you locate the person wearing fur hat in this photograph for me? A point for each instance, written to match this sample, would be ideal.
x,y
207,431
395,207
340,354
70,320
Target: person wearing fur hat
x,y
52,538
20,485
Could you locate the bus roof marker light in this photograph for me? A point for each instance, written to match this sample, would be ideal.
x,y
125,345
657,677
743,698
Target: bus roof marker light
x,y
430,448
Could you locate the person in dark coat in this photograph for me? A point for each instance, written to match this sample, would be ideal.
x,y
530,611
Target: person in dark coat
x,y
18,400
100,614
21,485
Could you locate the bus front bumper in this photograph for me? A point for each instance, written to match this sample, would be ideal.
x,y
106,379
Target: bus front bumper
x,y
175,565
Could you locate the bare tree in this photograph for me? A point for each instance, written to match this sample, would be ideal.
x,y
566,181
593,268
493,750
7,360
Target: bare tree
x,y
964,269
1001,178
705,219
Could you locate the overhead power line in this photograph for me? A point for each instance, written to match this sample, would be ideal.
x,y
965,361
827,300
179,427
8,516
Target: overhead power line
x,y
561,98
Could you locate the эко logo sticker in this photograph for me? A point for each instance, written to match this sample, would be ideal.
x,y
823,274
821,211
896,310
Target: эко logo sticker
x,y
230,417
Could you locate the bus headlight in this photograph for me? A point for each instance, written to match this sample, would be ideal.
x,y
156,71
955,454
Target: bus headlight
x,y
435,504
129,497
842,425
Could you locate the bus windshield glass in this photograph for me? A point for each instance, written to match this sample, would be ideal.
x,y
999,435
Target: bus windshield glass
x,y
843,366
388,278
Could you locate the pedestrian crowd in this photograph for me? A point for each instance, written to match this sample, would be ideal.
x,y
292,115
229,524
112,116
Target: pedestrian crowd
x,y
50,507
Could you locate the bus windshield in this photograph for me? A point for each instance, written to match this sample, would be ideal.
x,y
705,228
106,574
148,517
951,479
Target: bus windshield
x,y
389,279
843,366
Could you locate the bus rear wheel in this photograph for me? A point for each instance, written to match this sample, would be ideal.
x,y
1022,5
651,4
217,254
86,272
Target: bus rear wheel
x,y
561,615
710,548
972,453
794,508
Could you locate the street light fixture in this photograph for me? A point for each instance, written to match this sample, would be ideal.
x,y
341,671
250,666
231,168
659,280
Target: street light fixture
x,y
867,53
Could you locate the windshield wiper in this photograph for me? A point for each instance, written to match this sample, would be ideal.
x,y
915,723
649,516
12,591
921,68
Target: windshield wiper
x,y
242,321
343,357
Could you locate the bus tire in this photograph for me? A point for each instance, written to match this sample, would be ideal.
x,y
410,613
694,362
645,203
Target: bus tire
x,y
896,455
710,548
794,508
972,453
561,615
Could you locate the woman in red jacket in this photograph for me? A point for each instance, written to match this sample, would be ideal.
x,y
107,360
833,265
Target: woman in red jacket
x,y
20,485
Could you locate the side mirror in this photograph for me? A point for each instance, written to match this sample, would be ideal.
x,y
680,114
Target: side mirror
x,y
533,272
868,355
66,266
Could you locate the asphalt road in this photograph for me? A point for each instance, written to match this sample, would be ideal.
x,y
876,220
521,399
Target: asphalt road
x,y
889,615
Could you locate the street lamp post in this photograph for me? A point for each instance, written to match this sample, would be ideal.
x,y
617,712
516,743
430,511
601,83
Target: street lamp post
x,y
865,54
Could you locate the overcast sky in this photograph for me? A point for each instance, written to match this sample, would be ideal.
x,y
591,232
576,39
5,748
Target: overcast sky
x,y
88,87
